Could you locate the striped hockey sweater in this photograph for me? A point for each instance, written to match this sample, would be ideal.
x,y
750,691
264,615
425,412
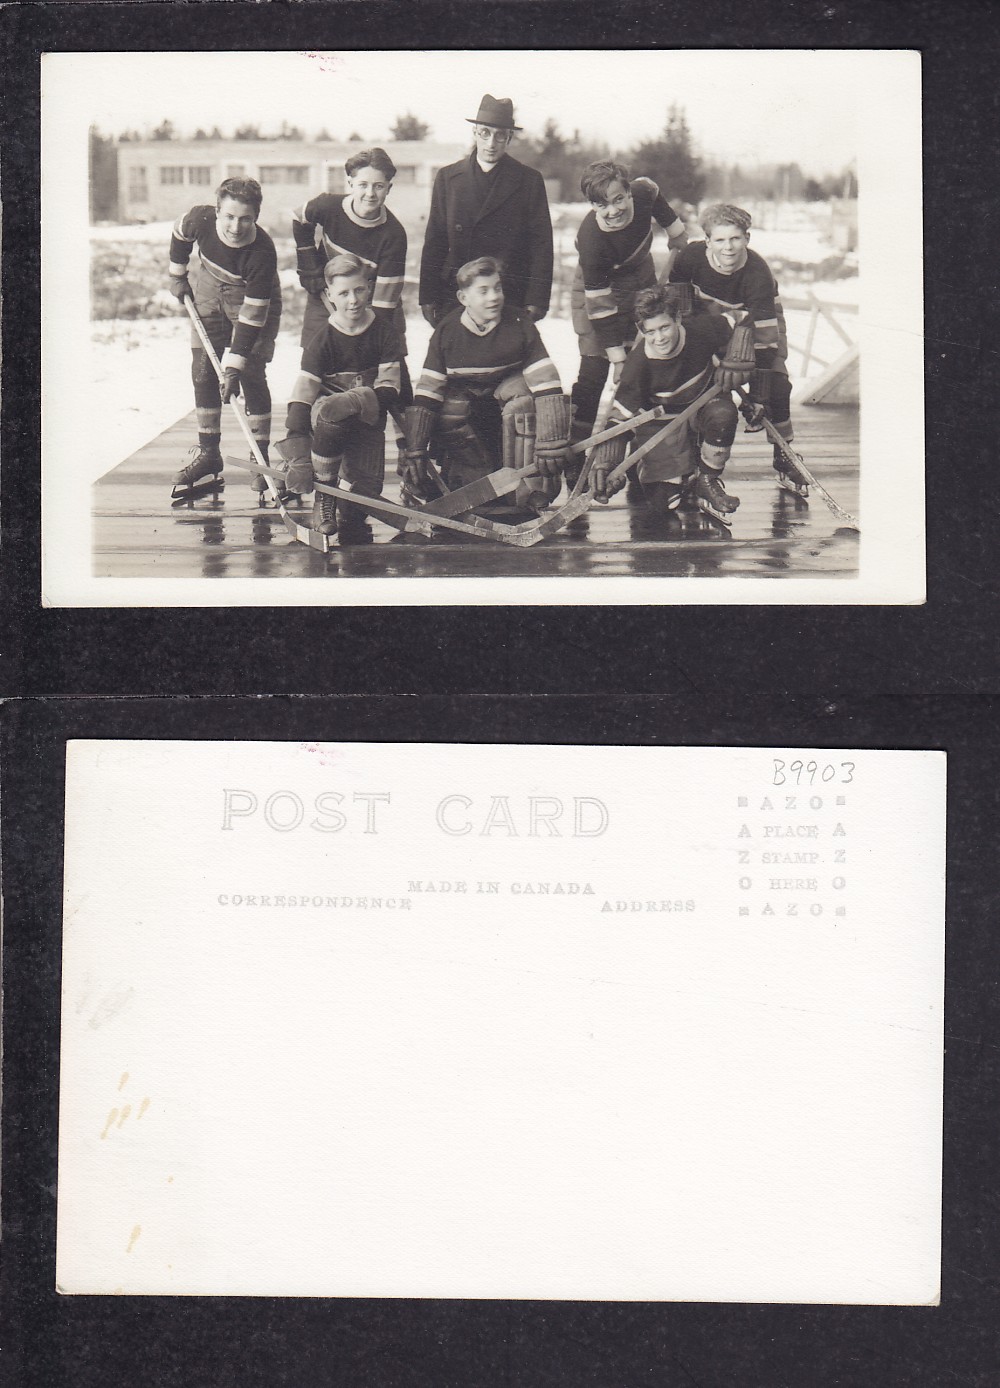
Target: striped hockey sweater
x,y
251,268
326,226
614,264
677,381
336,360
750,292
462,357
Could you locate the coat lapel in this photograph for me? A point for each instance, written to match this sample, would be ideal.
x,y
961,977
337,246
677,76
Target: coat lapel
x,y
503,183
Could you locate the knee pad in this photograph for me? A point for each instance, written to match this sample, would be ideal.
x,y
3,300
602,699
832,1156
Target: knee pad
x,y
717,424
330,440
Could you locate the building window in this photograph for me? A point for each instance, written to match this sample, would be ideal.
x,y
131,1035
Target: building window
x,y
284,173
199,173
336,179
172,173
137,189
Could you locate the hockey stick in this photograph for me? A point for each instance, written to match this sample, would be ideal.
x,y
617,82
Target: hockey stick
x,y
302,533
790,456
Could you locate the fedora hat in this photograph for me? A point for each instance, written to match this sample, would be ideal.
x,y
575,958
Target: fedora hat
x,y
495,110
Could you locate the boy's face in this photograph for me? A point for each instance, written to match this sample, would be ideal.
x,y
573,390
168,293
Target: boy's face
x,y
662,333
369,189
727,246
614,210
234,221
483,298
348,296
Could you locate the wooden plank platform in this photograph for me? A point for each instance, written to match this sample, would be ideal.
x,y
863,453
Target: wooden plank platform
x,y
137,534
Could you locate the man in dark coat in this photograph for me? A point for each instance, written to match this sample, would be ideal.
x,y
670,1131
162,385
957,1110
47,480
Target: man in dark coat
x,y
488,204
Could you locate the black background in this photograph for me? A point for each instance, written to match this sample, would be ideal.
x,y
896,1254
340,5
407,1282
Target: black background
x,y
904,677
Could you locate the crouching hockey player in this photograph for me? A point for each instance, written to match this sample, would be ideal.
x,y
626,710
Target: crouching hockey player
x,y
233,284
349,378
732,280
488,396
671,366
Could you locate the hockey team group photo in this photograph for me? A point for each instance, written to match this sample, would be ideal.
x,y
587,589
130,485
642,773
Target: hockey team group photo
x,y
432,316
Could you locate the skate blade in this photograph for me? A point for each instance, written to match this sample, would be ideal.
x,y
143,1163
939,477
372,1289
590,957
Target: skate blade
x,y
203,488
797,489
723,517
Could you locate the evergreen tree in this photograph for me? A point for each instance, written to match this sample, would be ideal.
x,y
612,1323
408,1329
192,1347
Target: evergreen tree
x,y
671,160
164,131
408,127
103,167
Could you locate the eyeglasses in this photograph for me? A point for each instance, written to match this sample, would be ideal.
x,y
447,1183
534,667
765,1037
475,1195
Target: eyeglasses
x,y
493,136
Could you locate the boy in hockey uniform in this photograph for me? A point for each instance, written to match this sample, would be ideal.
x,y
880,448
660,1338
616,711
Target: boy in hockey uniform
x,y
614,243
673,364
234,286
732,280
489,394
349,378
359,224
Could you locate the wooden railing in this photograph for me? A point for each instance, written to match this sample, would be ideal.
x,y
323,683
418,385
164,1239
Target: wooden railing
x,y
817,309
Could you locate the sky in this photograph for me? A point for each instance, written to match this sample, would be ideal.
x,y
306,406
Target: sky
x,y
744,106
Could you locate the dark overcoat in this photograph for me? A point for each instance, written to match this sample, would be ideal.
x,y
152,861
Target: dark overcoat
x,y
513,224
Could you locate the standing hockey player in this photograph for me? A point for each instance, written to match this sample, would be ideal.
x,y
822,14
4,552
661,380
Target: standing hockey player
x,y
488,204
731,279
357,224
489,394
349,378
614,244
673,364
234,287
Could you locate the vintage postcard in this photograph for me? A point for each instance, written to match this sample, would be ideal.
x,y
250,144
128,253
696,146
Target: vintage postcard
x,y
494,1021
476,327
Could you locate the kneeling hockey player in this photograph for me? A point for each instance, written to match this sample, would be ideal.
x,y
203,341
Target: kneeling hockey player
x,y
489,395
234,287
671,366
731,279
614,243
349,378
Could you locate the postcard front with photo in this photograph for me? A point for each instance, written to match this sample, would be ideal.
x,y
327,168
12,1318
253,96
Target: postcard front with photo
x,y
400,328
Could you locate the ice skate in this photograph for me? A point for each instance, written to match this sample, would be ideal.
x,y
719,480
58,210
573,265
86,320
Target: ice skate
x,y
789,477
201,476
711,495
324,514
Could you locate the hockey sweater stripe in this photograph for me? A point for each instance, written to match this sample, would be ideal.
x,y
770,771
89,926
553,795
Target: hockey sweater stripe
x,y
478,362
325,224
748,293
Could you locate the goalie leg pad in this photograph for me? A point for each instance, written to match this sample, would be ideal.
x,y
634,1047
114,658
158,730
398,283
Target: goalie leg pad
x,y
463,455
518,420
553,419
716,423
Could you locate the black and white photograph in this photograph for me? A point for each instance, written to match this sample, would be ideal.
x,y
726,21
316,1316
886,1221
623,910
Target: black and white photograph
x,y
398,328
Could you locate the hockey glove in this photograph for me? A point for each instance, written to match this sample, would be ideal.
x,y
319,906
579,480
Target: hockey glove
x,y
606,458
739,360
180,287
414,468
755,409
295,452
552,430
229,386
309,262
753,412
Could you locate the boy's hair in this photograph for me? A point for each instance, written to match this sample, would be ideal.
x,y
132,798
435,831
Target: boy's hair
x,y
246,190
345,264
657,299
724,214
598,177
474,269
374,158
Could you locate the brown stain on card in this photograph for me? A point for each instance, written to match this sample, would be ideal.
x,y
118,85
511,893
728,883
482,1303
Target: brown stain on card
x,y
123,1081
135,1234
142,1109
112,1119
